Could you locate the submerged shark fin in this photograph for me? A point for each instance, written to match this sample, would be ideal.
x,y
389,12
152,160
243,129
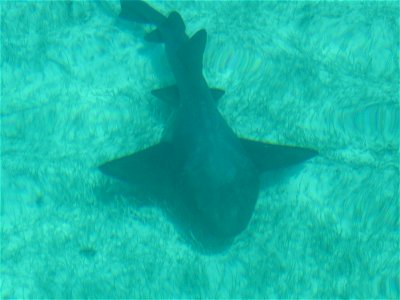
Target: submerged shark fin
x,y
141,12
148,168
269,156
217,93
170,94
192,51
175,22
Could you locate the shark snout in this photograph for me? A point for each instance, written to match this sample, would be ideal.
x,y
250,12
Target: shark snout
x,y
228,211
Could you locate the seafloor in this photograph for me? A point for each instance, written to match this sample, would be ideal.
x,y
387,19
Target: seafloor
x,y
75,93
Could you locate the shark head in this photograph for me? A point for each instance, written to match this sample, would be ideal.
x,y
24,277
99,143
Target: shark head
x,y
223,194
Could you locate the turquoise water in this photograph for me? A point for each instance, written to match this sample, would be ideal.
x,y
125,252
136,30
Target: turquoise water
x,y
76,93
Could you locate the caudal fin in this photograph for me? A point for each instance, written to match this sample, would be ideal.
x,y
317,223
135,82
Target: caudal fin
x,y
140,12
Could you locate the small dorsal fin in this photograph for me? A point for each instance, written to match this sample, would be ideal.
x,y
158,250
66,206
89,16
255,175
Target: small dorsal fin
x,y
169,94
217,93
192,51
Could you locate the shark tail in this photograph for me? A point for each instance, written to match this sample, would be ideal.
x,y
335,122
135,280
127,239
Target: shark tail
x,y
140,12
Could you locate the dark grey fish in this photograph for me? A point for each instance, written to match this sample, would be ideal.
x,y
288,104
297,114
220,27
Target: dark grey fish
x,y
214,173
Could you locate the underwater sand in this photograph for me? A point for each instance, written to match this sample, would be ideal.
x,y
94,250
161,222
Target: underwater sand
x,y
76,92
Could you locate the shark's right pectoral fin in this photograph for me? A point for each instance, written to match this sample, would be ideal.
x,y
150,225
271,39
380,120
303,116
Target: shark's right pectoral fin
x,y
269,156
149,168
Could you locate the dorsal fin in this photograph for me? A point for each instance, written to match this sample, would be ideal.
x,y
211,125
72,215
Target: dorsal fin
x,y
174,22
169,94
192,51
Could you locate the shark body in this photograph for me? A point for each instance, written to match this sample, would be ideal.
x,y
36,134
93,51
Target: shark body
x,y
214,173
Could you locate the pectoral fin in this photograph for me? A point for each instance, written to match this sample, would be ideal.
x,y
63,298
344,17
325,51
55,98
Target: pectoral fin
x,y
169,94
217,93
150,167
269,156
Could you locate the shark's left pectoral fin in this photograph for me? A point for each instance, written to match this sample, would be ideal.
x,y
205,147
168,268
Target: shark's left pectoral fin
x,y
269,156
150,167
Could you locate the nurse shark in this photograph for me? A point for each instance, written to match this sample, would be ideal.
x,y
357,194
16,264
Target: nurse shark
x,y
215,175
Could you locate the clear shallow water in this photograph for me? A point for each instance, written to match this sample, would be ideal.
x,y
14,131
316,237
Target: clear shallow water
x,y
76,93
